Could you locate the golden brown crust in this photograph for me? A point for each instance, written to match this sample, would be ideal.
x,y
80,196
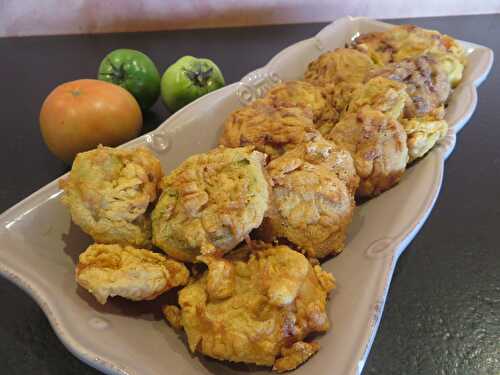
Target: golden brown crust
x,y
377,144
423,134
313,189
269,129
340,65
173,316
220,277
326,279
135,274
408,41
295,355
210,203
339,73
428,87
108,192
426,83
304,95
381,94
277,300
377,45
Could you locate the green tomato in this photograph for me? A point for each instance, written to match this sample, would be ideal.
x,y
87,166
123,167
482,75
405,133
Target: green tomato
x,y
188,79
135,72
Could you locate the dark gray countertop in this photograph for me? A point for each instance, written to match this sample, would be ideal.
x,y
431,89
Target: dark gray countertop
x,y
443,310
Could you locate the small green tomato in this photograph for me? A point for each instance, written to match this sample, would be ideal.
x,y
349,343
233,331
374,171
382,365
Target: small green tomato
x,y
188,79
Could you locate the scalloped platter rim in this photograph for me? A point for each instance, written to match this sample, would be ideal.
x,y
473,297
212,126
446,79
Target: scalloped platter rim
x,y
39,245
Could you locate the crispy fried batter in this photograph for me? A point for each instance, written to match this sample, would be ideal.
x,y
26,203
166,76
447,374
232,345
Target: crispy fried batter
x,y
339,95
378,45
295,355
135,274
381,94
423,133
271,130
407,41
340,65
108,192
426,83
220,277
428,88
377,144
173,315
276,302
312,197
210,203
307,96
453,67
339,72
326,279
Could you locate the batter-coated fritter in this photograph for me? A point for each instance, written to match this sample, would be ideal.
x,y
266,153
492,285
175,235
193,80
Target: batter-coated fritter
x,y
108,192
428,88
377,144
307,96
275,300
135,274
328,154
381,94
295,355
408,41
426,84
339,95
269,129
210,203
340,65
423,133
339,73
313,189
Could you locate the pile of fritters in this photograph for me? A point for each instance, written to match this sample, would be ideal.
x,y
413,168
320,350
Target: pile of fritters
x,y
253,218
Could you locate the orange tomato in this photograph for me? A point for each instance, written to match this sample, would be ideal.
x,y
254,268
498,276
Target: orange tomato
x,y
79,115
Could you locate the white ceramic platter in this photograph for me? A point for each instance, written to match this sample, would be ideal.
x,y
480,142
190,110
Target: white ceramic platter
x,y
39,245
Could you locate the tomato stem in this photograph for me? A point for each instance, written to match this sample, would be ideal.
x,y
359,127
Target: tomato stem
x,y
117,74
199,77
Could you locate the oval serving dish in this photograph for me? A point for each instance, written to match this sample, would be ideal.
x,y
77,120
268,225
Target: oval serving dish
x,y
39,245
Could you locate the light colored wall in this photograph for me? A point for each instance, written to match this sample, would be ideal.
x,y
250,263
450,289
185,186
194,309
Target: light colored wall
x,y
41,17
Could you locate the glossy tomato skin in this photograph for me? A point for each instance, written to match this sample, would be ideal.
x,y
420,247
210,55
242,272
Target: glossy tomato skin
x,y
188,79
135,72
79,115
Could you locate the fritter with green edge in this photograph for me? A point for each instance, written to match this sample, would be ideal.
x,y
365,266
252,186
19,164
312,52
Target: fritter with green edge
x,y
109,191
210,203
